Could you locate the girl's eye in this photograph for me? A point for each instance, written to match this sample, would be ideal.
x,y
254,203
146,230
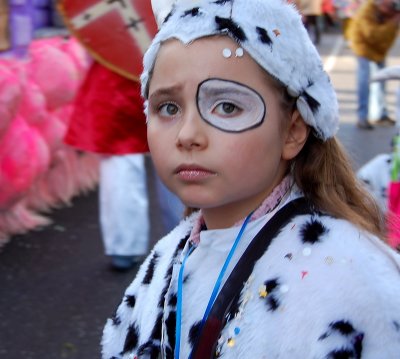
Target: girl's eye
x,y
227,109
168,109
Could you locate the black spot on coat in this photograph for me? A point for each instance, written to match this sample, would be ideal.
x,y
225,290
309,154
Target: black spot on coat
x,y
312,231
170,324
273,303
130,300
116,320
150,269
341,354
352,340
157,329
181,245
149,349
343,327
131,340
358,342
271,285
169,354
194,333
271,299
173,300
168,274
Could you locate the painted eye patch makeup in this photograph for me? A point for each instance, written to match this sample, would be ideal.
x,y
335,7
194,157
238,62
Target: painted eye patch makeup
x,y
229,106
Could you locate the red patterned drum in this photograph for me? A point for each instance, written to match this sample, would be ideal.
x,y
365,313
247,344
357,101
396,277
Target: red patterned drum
x,y
115,32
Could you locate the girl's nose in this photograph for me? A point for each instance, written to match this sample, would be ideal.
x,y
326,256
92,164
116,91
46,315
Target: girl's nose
x,y
192,134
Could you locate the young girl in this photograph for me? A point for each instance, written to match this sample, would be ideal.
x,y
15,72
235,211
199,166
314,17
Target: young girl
x,y
280,255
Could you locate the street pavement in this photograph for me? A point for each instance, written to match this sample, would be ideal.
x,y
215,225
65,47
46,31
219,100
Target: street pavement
x,y
56,288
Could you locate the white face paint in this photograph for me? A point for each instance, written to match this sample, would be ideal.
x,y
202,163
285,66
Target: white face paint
x,y
230,106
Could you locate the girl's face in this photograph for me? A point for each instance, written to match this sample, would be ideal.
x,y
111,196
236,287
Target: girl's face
x,y
216,130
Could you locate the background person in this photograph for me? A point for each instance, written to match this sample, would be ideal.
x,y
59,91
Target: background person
x,y
372,34
108,119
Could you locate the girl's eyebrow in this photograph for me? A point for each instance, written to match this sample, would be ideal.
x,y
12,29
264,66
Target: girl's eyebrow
x,y
166,91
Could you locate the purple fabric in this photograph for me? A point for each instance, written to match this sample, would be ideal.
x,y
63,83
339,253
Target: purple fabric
x,y
21,26
20,2
41,18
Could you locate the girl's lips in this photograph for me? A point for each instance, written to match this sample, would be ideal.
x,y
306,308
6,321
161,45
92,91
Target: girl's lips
x,y
193,173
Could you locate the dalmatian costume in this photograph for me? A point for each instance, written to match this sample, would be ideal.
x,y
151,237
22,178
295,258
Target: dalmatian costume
x,y
323,289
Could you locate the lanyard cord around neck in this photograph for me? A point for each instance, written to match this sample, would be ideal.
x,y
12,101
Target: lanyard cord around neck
x,y
213,294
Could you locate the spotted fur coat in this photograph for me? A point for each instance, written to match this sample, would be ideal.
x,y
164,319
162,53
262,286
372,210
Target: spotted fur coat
x,y
323,290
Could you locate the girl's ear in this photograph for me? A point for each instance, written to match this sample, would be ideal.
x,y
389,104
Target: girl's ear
x,y
296,136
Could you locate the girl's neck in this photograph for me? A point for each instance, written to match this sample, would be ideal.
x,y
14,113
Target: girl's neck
x,y
208,219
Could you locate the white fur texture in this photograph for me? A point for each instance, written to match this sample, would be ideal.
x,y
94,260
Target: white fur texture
x,y
346,280
161,8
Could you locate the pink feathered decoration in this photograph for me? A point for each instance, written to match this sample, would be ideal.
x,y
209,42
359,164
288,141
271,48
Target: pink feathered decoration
x,y
54,72
53,130
38,172
33,103
24,155
78,54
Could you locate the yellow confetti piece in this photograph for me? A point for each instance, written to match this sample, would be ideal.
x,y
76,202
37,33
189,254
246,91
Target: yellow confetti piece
x,y
231,342
262,291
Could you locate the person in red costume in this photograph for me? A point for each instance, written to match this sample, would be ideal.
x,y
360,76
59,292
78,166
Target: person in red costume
x,y
108,119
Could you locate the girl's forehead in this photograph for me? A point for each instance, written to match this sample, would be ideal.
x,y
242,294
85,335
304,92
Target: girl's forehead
x,y
208,57
211,45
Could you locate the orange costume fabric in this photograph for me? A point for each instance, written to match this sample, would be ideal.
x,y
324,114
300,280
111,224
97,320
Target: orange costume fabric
x,y
108,115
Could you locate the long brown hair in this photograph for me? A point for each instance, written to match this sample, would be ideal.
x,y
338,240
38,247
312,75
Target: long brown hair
x,y
324,173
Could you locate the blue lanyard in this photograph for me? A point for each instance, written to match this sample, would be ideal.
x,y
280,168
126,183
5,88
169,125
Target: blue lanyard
x,y
179,305
214,292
